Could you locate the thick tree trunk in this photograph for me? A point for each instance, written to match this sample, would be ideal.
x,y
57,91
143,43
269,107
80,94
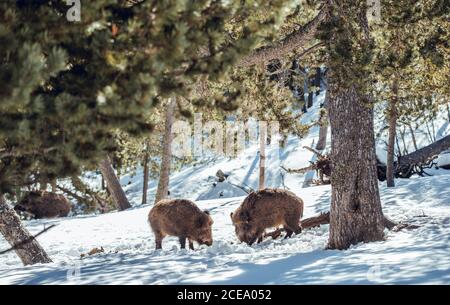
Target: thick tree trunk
x,y
321,143
262,154
391,137
356,214
25,246
166,158
113,185
145,184
424,154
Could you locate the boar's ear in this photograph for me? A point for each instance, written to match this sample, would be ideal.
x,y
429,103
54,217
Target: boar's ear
x,y
206,212
201,221
246,216
231,215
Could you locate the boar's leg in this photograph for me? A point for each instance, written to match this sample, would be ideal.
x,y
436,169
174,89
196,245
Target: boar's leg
x,y
288,233
158,240
191,244
258,235
260,239
182,240
293,224
158,244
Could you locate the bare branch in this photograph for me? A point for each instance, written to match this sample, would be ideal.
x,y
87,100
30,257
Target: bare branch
x,y
26,241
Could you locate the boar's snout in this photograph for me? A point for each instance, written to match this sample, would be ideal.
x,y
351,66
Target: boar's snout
x,y
19,208
244,232
205,229
207,242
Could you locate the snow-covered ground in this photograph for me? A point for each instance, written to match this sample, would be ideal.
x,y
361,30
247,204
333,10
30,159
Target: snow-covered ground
x,y
419,256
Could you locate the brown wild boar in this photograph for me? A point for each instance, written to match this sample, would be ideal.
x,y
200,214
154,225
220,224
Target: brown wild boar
x,y
181,218
266,209
43,204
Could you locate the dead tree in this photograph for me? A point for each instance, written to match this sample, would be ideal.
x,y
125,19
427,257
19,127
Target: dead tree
x,y
322,166
425,154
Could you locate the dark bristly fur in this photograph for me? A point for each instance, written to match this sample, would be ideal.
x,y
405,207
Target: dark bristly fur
x,y
181,218
266,209
43,204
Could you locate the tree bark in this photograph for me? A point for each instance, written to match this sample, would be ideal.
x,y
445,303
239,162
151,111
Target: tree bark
x,y
146,172
356,214
424,154
391,137
25,245
262,154
113,185
310,98
166,158
317,80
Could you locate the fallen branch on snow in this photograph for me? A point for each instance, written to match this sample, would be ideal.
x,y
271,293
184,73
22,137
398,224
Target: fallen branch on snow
x,y
27,240
324,218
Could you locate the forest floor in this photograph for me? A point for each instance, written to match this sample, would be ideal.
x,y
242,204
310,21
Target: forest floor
x,y
420,256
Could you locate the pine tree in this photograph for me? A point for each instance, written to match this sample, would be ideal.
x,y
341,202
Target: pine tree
x,y
67,87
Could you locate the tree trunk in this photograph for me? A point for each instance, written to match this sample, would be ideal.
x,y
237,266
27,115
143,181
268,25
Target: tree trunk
x,y
16,235
356,214
145,186
310,98
317,80
262,154
413,136
166,158
53,185
391,137
113,185
448,112
321,143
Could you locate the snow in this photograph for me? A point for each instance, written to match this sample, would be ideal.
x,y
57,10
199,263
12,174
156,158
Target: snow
x,y
420,256
443,159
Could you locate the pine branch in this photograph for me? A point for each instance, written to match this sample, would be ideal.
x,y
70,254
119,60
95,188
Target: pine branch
x,y
290,43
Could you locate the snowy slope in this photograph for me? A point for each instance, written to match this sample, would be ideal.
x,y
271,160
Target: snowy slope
x,y
196,182
418,256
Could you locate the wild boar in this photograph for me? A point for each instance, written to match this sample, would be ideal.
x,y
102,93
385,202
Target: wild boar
x,y
43,204
181,218
266,209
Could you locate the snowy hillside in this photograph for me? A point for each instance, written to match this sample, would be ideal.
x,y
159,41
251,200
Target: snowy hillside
x,y
418,256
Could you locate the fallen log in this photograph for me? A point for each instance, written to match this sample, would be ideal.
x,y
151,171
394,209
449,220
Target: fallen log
x,y
424,154
308,223
324,218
